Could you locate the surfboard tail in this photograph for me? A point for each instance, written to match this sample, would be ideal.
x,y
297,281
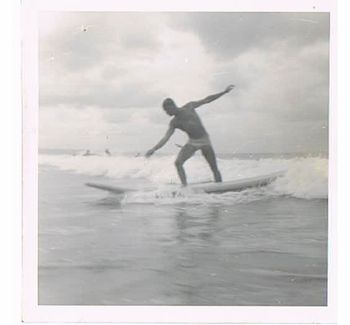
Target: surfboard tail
x,y
112,189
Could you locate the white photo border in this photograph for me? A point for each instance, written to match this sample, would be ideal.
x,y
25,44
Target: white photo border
x,y
32,311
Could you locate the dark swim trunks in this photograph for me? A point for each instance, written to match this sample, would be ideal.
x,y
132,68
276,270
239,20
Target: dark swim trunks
x,y
199,143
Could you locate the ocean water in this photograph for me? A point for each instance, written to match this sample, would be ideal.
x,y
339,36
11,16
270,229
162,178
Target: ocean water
x,y
258,247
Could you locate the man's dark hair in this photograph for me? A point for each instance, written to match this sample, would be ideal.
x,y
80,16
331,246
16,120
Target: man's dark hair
x,y
168,101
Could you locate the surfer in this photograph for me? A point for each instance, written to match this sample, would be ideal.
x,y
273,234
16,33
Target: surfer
x,y
87,153
186,119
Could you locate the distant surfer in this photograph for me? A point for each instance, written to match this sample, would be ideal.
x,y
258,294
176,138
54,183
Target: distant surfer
x,y
186,119
87,153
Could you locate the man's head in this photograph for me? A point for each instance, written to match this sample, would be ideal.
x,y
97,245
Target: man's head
x,y
169,106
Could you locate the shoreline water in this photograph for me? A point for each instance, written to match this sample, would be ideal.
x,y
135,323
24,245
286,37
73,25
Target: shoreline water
x,y
223,155
254,248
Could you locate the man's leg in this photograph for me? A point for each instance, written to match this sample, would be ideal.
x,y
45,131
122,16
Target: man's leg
x,y
185,153
209,155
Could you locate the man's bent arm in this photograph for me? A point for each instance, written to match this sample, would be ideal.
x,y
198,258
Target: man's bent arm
x,y
162,142
210,98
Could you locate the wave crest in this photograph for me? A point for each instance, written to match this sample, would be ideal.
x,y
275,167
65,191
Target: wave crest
x,y
305,178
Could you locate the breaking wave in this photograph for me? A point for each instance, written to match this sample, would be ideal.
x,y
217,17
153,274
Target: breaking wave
x,y
305,178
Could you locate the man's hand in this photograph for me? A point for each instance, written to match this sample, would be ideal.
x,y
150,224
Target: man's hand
x,y
210,98
149,153
229,88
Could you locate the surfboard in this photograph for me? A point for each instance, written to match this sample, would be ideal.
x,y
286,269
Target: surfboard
x,y
210,187
239,184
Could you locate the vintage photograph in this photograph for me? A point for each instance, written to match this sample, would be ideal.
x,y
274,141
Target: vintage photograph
x,y
183,158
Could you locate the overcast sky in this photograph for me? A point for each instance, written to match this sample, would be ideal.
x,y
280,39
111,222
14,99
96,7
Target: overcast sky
x,y
103,77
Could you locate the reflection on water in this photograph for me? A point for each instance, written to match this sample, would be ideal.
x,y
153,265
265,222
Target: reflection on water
x,y
111,202
191,227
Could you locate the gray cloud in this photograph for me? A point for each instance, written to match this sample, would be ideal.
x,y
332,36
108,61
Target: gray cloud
x,y
227,35
92,67
86,40
103,95
278,61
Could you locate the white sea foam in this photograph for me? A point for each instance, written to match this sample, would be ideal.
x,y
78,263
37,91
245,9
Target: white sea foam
x,y
305,178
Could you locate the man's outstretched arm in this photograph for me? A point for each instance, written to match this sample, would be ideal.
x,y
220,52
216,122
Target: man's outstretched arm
x,y
162,142
210,98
